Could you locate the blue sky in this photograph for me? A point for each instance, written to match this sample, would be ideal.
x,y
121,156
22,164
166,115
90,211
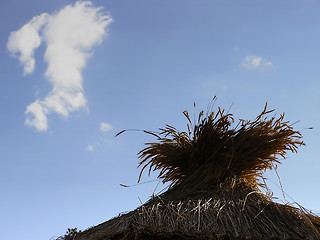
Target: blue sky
x,y
84,71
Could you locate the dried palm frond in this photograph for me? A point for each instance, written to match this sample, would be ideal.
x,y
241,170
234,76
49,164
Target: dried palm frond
x,y
214,149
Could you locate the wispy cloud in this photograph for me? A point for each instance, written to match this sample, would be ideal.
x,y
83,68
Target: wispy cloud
x,y
252,62
23,42
236,49
102,141
70,36
105,127
90,148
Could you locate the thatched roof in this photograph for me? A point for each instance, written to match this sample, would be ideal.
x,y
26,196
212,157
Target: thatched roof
x,y
215,170
247,216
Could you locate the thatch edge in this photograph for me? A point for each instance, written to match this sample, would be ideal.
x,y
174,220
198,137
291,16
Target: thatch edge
x,y
254,217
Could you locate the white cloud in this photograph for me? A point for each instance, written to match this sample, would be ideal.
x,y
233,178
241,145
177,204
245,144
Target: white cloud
x,y
268,64
70,35
40,119
251,62
23,42
105,127
90,148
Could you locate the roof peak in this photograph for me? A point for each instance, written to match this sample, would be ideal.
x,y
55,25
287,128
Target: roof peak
x,y
214,148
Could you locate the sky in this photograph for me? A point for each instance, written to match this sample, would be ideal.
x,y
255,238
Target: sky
x,y
73,74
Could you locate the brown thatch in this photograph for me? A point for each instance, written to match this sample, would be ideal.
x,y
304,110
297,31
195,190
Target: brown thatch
x,y
214,169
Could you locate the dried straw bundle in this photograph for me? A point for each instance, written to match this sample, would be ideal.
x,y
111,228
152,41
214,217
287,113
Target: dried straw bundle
x,y
213,150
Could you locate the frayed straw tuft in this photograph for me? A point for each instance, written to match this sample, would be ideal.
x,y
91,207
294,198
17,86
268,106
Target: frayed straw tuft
x,y
214,150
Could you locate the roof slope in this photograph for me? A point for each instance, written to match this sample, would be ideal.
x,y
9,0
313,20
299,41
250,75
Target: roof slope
x,y
250,217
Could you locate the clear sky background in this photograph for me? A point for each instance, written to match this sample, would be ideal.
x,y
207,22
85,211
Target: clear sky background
x,y
72,78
